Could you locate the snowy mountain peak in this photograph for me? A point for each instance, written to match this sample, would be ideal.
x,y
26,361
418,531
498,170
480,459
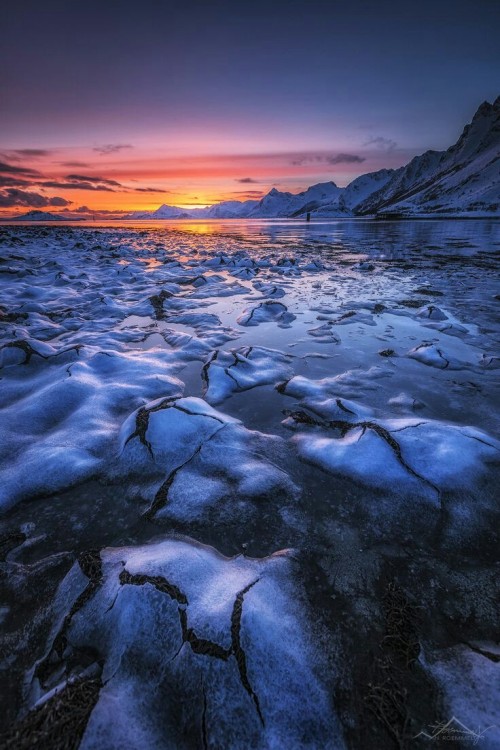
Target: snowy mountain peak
x,y
463,179
486,109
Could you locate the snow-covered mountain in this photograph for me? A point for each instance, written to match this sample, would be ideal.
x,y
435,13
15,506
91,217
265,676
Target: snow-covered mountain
x,y
464,180
274,205
226,210
164,212
277,205
325,199
348,199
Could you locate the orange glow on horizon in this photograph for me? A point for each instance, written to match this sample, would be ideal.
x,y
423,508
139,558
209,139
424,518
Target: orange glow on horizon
x,y
142,179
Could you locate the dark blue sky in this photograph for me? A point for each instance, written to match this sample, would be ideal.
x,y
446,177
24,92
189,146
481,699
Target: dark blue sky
x,y
379,80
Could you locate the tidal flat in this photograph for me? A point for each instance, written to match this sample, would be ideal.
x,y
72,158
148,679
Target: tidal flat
x,y
249,483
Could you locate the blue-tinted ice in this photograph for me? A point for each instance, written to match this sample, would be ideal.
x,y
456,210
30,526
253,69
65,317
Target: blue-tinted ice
x,y
181,403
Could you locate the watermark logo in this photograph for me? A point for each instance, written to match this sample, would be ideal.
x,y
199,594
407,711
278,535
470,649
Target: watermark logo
x,y
454,730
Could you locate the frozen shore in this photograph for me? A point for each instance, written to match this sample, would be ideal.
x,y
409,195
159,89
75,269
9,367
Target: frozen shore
x,y
248,477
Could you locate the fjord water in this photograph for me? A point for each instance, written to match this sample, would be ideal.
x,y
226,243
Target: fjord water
x,y
351,370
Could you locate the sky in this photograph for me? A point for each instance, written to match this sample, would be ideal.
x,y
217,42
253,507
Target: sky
x,y
115,106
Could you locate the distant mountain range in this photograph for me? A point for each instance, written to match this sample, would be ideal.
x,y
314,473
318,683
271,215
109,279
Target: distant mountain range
x,y
463,181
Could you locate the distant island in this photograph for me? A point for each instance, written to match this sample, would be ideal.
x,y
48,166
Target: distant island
x,y
43,216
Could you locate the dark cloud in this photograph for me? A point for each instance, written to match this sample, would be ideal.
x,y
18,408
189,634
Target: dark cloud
x,y
99,213
32,152
12,175
13,197
249,193
345,159
247,180
150,190
10,156
12,169
73,164
111,148
76,186
57,201
300,160
327,159
384,144
102,182
8,181
86,178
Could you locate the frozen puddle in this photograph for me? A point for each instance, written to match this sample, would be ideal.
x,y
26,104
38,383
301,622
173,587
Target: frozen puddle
x,y
230,634
242,369
247,483
210,461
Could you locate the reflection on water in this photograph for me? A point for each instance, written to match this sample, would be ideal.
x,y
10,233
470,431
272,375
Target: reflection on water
x,y
375,239
426,231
